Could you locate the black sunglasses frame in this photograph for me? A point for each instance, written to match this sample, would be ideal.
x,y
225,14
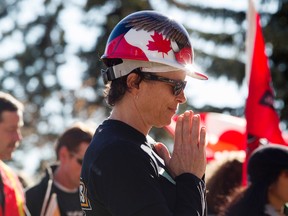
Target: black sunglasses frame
x,y
79,160
178,85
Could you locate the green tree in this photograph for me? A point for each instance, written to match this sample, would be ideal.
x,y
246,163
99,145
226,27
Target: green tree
x,y
39,54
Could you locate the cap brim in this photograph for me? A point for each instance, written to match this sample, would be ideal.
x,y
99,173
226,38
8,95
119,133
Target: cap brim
x,y
191,71
128,65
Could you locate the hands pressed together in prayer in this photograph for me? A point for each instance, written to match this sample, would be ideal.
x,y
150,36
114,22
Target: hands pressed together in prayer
x,y
189,155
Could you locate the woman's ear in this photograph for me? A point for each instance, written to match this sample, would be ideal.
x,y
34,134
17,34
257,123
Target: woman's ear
x,y
133,81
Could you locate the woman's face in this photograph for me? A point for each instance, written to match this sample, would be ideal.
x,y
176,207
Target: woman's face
x,y
157,103
278,191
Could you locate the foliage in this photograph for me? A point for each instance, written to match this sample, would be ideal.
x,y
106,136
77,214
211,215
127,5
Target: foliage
x,y
38,49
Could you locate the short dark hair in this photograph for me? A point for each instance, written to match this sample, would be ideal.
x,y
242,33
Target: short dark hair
x,y
9,103
73,137
267,162
265,165
116,89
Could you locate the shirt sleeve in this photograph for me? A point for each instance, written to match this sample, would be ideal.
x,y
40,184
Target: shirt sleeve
x,y
190,195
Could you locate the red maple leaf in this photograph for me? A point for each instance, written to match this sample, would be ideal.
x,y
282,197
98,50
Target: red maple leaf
x,y
159,44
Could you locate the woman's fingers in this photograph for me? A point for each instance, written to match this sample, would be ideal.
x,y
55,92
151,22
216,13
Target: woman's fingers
x,y
163,152
186,131
202,141
178,132
189,147
195,130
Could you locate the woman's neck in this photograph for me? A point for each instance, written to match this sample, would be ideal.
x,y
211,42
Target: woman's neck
x,y
275,202
270,210
129,114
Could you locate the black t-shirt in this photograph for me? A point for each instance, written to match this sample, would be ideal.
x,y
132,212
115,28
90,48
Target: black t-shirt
x,y
122,175
68,202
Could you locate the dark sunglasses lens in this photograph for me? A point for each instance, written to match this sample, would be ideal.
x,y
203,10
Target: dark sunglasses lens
x,y
179,88
80,161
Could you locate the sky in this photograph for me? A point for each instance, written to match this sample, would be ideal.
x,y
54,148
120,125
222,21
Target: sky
x,y
198,92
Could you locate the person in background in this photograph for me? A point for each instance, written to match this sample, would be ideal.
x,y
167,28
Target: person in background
x,y
223,179
267,191
125,172
58,192
12,199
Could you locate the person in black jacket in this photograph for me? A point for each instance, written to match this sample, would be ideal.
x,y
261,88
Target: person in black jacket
x,y
267,191
124,172
58,191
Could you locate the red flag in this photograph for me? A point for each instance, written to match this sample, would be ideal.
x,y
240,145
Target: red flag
x,y
262,119
224,132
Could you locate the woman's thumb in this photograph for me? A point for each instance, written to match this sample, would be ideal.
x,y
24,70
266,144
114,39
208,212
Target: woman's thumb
x,y
163,152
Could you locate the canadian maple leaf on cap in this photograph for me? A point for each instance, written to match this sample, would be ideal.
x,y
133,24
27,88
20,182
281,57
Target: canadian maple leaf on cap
x,y
159,44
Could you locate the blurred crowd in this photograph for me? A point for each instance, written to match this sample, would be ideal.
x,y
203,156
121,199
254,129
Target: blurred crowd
x,y
57,193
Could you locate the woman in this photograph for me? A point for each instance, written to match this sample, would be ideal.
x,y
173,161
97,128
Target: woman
x,y
148,57
223,179
267,192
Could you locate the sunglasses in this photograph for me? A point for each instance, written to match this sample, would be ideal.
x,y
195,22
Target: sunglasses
x,y
178,85
79,160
